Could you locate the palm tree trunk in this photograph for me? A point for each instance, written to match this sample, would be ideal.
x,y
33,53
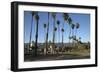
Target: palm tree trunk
x,y
47,33
76,32
62,35
30,33
36,40
58,34
69,33
45,42
72,37
62,39
54,34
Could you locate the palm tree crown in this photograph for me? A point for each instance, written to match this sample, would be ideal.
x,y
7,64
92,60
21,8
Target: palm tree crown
x,y
33,13
44,25
55,29
77,25
62,30
73,25
58,22
69,20
37,16
65,16
53,14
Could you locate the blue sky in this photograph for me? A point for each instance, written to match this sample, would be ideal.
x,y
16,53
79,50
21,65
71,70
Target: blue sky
x,y
82,19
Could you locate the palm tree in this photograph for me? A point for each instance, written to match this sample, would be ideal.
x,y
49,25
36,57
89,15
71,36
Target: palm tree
x,y
31,30
62,35
36,36
44,26
55,31
45,38
77,27
73,26
69,22
54,19
65,17
58,23
47,33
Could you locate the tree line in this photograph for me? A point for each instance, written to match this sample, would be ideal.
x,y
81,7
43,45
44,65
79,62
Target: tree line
x,y
67,20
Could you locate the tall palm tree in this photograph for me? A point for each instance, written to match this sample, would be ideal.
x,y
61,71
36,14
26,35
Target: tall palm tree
x,y
54,19
69,22
66,18
62,36
31,29
58,23
45,38
47,33
77,27
73,26
55,32
44,26
36,36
